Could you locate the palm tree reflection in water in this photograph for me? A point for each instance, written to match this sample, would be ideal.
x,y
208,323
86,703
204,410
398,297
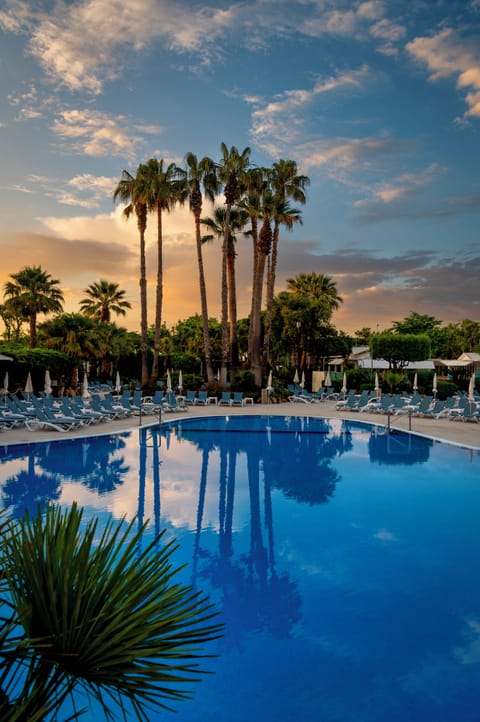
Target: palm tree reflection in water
x,y
253,594
95,463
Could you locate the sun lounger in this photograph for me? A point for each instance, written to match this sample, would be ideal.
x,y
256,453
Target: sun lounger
x,y
190,397
174,403
44,419
201,398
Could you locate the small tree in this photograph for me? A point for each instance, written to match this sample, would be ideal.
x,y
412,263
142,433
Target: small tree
x,y
400,349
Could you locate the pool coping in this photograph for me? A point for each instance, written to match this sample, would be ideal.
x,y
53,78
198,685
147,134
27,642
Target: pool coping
x,y
456,433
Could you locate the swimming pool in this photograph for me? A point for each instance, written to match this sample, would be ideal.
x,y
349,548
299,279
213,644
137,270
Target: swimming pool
x,y
345,560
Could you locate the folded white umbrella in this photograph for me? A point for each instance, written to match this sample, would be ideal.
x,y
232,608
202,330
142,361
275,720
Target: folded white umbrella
x,y
28,385
269,382
47,387
85,391
471,388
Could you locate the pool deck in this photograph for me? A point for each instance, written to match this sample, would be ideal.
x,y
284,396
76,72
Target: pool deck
x,y
461,433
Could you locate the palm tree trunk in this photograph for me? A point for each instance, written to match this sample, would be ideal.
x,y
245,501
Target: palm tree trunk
x,y
203,301
256,319
271,291
33,329
255,252
143,310
232,306
224,296
158,300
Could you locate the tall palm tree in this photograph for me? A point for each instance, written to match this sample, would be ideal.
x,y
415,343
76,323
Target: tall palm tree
x,y
103,298
231,172
262,250
286,183
255,185
201,174
217,226
131,190
164,188
34,291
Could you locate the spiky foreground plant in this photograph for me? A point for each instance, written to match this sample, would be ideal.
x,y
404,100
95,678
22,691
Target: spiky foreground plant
x,y
94,615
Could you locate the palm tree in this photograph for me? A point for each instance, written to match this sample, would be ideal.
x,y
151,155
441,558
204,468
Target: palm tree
x,y
217,226
262,250
201,173
103,298
255,185
164,188
231,172
316,286
131,190
285,183
34,291
68,333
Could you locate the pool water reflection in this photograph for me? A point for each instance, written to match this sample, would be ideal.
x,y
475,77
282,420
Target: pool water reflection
x,y
344,560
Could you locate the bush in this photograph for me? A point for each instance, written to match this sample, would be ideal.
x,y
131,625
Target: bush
x,y
445,389
244,381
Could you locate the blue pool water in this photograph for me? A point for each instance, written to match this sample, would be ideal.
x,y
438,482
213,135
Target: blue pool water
x,y
345,561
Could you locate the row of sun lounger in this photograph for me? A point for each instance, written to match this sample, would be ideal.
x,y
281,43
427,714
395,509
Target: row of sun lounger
x,y
65,414
455,408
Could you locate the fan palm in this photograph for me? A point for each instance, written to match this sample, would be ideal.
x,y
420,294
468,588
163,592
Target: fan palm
x,y
201,173
96,616
33,291
131,190
103,298
164,187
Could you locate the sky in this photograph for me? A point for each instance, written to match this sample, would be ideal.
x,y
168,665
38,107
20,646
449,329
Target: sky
x,y
377,101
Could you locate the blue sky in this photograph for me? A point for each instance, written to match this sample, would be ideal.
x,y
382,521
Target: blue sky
x,y
378,103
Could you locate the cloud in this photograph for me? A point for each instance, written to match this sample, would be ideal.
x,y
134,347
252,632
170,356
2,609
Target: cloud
x,y
402,188
446,54
355,162
85,191
83,44
371,10
282,120
404,203
470,653
98,134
